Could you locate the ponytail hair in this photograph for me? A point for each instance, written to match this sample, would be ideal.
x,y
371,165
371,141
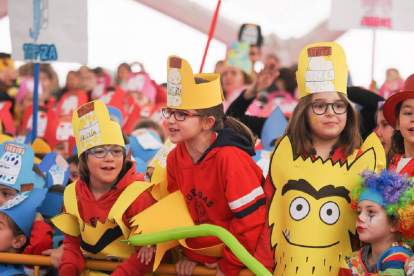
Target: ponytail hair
x,y
224,121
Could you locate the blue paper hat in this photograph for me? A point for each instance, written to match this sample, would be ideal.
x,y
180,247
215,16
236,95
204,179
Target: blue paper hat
x,y
262,159
140,165
10,270
145,145
273,128
52,205
372,195
116,114
55,168
22,209
16,166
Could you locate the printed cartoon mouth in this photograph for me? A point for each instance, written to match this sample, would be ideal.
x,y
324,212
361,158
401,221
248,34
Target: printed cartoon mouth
x,y
286,234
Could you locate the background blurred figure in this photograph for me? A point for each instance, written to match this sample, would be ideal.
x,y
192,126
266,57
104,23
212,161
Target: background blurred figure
x,y
73,82
122,75
393,83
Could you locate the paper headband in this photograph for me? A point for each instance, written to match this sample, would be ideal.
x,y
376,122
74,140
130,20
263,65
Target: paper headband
x,y
238,56
93,127
55,168
184,93
252,34
322,68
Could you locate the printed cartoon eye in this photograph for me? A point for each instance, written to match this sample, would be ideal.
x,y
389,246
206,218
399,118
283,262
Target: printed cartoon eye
x,y
88,256
329,213
113,258
299,208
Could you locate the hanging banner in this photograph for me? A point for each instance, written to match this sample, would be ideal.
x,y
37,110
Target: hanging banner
x,y
372,14
49,30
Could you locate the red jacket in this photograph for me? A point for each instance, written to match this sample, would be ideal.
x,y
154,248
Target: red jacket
x,y
41,239
91,210
264,253
408,169
223,189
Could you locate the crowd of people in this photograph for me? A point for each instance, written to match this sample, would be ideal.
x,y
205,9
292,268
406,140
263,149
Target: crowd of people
x,y
275,157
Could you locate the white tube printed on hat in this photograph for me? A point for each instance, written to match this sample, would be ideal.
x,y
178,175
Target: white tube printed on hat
x,y
10,163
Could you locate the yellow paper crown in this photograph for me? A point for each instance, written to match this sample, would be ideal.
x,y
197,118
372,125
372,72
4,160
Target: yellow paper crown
x,y
93,127
184,93
322,68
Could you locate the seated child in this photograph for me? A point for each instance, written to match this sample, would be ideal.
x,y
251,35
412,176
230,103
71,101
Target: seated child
x,y
20,195
385,206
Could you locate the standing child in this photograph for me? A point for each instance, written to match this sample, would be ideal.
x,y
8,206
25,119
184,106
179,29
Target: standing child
x,y
98,206
211,166
384,203
399,113
310,168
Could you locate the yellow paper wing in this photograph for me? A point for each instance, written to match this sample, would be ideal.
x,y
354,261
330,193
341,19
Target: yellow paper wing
x,y
67,223
373,142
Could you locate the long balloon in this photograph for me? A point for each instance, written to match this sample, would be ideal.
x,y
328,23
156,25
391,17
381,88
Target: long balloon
x,y
201,231
210,34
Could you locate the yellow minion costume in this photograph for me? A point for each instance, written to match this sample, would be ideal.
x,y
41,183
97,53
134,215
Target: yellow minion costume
x,y
96,226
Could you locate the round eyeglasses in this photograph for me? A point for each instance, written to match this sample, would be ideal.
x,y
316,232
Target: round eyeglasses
x,y
178,114
320,108
101,152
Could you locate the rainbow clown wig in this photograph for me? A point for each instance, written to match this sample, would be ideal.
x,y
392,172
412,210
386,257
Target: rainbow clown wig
x,y
392,191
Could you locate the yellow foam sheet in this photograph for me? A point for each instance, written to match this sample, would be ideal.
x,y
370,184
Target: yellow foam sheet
x,y
168,218
184,93
67,223
322,68
93,127
159,162
310,212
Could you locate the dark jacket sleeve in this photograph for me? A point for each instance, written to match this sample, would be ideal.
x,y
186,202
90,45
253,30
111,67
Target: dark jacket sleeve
x,y
369,102
238,110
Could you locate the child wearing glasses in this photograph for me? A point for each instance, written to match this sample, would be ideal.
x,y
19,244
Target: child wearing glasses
x,y
212,167
323,125
100,203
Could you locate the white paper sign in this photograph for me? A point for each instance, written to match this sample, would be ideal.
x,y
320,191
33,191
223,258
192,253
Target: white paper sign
x,y
372,14
49,30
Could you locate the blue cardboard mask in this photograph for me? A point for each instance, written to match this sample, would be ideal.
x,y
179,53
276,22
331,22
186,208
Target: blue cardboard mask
x,y
52,205
273,128
55,168
115,114
22,209
145,144
16,166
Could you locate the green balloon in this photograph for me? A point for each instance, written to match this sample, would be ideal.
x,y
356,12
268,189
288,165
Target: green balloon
x,y
201,231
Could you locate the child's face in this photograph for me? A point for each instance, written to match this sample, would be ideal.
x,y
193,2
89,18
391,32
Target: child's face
x,y
384,132
8,242
6,193
62,149
328,126
405,122
232,79
104,170
74,172
184,131
372,223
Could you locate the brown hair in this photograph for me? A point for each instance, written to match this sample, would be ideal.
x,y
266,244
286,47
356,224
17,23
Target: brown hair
x,y
16,231
150,124
223,121
397,140
300,134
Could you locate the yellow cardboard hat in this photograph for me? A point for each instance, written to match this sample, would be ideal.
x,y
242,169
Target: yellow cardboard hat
x,y
184,93
322,68
93,127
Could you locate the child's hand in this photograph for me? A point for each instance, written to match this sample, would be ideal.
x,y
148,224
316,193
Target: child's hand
x,y
145,253
38,217
185,267
409,266
55,255
263,80
215,266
